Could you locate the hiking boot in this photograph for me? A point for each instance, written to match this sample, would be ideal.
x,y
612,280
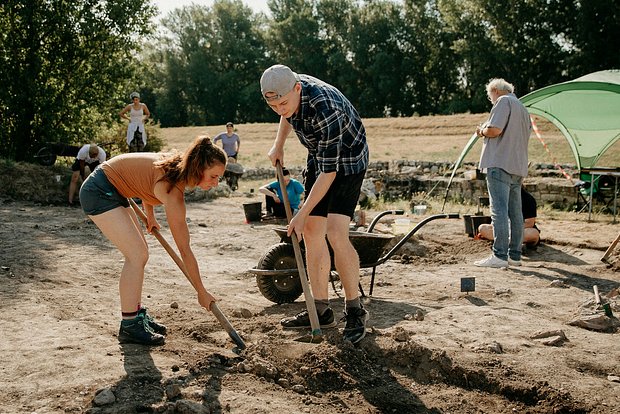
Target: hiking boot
x,y
492,261
302,320
355,328
514,262
155,326
137,331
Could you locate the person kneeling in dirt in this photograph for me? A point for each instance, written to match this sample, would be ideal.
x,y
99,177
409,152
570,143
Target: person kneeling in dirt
x,y
155,179
273,195
531,233
89,155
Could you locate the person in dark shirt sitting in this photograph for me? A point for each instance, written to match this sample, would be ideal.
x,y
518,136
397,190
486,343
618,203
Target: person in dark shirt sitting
x,y
531,233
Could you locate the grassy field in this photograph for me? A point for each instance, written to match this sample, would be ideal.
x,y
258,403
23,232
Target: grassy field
x,y
427,138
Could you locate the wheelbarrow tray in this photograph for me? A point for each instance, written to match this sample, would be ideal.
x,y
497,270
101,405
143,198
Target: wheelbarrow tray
x,y
369,246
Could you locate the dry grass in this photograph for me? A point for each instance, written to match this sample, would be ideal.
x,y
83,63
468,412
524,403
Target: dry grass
x,y
428,138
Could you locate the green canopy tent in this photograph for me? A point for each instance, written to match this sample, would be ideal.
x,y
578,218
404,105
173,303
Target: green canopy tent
x,y
586,110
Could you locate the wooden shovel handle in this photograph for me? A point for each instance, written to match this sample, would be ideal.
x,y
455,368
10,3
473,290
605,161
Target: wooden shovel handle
x,y
310,305
610,249
214,308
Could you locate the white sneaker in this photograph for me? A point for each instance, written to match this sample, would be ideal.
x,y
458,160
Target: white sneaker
x,y
492,261
516,263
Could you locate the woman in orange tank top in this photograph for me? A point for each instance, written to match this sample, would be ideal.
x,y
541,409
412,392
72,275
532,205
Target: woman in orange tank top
x,y
157,179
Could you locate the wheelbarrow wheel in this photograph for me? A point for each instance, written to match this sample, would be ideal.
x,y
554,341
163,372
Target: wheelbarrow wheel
x,y
282,288
46,156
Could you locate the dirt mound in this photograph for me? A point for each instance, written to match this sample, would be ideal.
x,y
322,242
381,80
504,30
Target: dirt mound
x,y
429,347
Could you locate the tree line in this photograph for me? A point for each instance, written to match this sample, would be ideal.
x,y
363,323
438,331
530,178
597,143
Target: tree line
x,y
68,67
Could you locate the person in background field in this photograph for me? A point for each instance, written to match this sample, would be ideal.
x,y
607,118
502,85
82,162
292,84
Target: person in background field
x,y
531,233
230,141
90,155
328,125
273,195
504,159
156,179
136,132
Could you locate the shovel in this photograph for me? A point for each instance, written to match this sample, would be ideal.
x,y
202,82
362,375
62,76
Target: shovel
x,y
610,249
214,308
605,306
316,335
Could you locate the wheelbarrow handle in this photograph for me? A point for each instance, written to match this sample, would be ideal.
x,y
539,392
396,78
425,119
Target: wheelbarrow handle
x,y
411,232
380,215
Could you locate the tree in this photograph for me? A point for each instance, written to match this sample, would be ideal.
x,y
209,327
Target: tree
x,y
207,70
62,64
294,37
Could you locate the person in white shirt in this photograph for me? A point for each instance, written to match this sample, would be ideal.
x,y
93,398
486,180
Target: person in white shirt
x,y
90,155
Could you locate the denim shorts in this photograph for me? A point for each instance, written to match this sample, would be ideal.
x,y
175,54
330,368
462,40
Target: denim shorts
x,y
98,195
342,196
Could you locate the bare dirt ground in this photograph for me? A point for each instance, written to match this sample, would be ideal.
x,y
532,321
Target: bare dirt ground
x,y
430,348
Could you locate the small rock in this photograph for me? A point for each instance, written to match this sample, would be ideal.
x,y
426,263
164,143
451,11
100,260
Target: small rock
x,y
400,335
246,313
419,315
190,407
613,378
493,347
408,317
500,292
558,284
595,322
173,391
298,388
551,338
174,305
104,396
284,383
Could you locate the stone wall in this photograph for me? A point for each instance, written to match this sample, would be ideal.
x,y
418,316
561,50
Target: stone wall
x,y
405,179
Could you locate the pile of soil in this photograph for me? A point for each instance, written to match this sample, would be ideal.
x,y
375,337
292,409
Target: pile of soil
x,y
429,347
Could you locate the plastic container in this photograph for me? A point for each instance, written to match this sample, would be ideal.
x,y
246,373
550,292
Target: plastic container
x,y
401,226
477,221
419,209
252,211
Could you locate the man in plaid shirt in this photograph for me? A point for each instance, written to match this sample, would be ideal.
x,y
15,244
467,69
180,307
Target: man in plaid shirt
x,y
331,129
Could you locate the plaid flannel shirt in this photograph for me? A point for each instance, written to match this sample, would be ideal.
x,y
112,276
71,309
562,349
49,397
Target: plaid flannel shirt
x,y
330,128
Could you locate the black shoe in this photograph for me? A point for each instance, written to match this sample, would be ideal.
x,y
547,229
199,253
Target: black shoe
x,y
355,328
156,327
302,320
137,331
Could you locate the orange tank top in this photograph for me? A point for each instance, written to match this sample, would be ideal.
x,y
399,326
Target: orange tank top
x,y
135,175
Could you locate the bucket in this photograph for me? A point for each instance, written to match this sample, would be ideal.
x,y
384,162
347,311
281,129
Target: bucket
x,y
478,220
252,211
401,226
419,209
468,229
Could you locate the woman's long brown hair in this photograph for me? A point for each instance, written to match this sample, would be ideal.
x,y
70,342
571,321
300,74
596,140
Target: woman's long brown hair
x,y
189,167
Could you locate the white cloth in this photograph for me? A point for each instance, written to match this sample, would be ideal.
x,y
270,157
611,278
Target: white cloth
x,y
136,123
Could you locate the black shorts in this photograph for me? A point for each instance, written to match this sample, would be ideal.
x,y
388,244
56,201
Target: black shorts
x,y
91,166
98,195
342,196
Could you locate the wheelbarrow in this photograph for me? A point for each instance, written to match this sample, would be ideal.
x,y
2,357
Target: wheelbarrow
x,y
276,274
233,172
50,151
